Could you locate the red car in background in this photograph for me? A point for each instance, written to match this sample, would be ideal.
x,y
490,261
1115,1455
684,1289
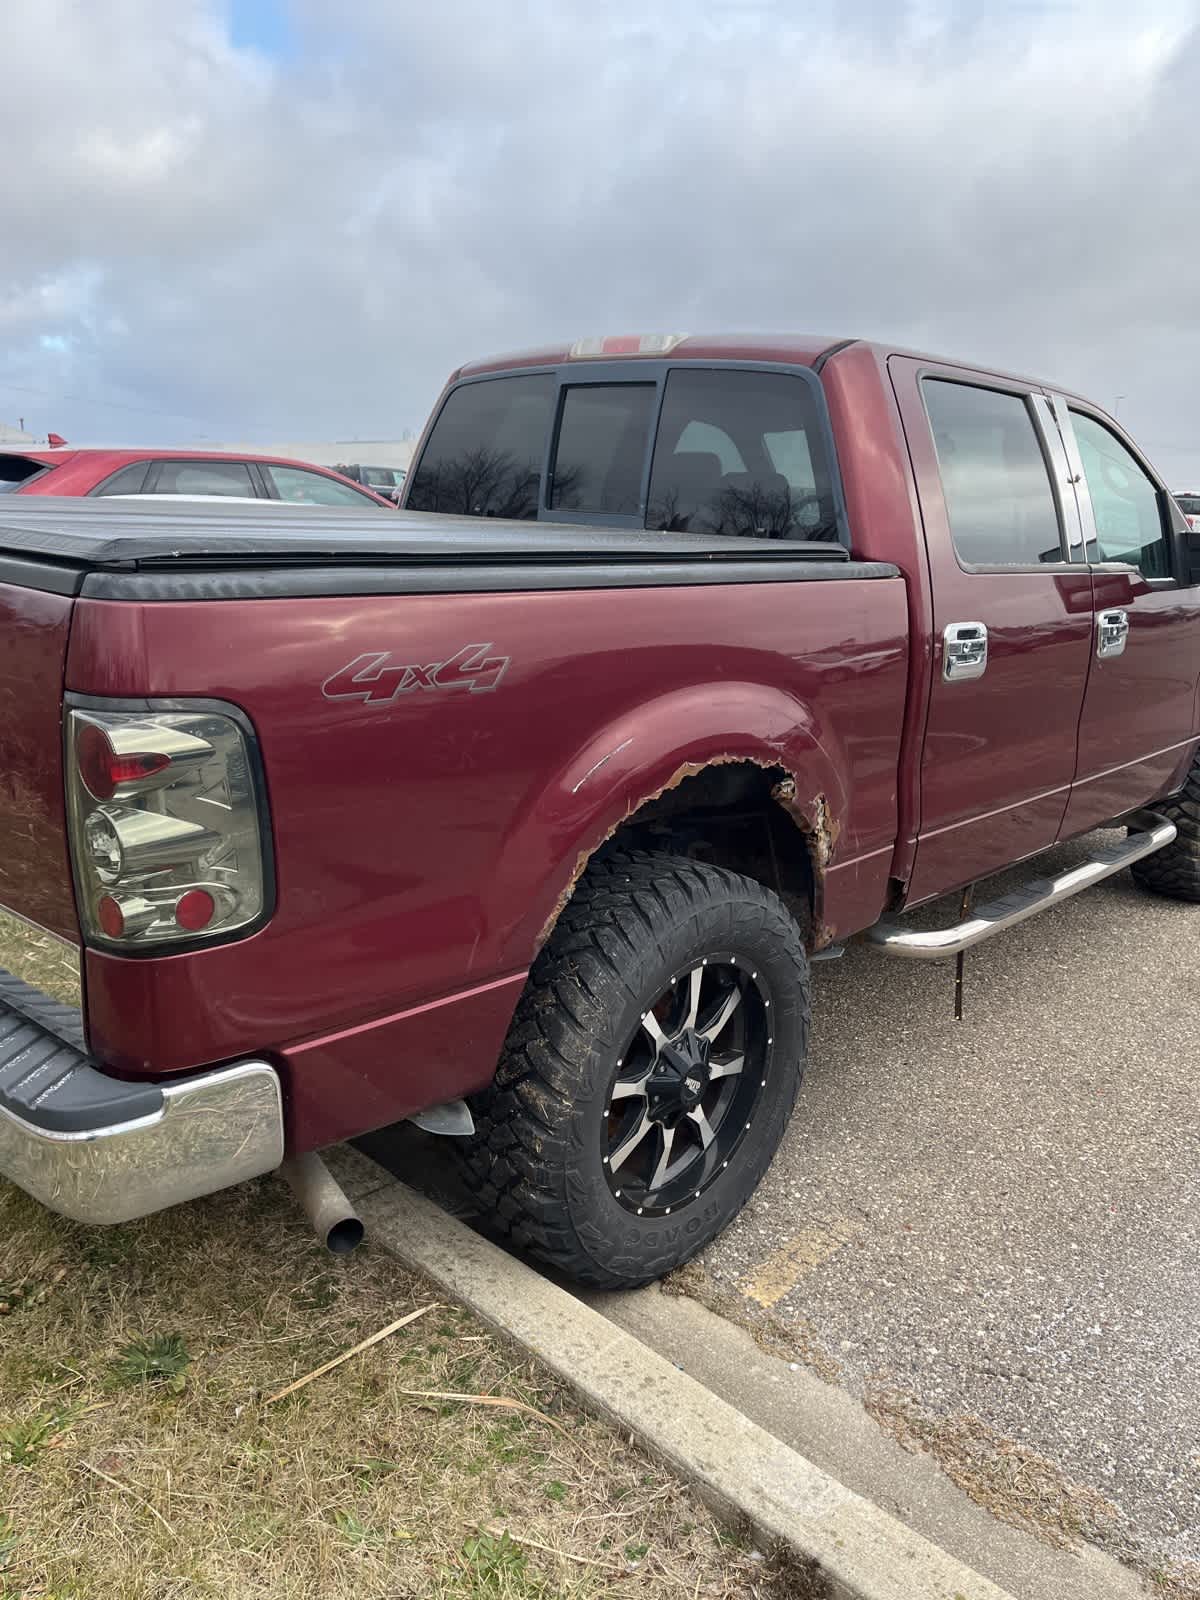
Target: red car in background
x,y
190,474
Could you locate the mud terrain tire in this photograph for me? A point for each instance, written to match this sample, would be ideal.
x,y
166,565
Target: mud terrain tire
x,y
1175,869
639,931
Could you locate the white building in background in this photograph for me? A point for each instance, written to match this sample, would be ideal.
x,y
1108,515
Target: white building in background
x,y
340,452
14,438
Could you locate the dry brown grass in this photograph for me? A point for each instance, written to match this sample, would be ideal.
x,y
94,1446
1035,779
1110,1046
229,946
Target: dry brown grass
x,y
159,1473
140,1460
1183,1583
1021,1487
39,959
791,1339
1011,1481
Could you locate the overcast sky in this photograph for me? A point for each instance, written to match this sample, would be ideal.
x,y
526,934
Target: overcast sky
x,y
289,219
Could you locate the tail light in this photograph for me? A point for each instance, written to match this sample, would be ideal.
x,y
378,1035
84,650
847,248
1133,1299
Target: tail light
x,y
167,825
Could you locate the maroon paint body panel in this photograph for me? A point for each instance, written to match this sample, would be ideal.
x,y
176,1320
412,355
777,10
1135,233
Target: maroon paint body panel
x,y
884,514
35,873
368,1076
422,843
985,777
998,756
1138,728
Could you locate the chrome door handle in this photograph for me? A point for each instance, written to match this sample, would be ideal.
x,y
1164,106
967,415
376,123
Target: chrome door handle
x,y
964,651
1112,632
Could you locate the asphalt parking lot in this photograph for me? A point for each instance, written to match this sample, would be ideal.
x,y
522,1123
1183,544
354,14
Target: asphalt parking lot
x,y
999,1218
987,1230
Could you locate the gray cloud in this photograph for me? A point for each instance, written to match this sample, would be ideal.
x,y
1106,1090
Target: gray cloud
x,y
305,247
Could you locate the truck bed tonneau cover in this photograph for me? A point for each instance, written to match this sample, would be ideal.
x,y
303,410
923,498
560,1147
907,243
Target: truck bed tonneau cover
x,y
97,533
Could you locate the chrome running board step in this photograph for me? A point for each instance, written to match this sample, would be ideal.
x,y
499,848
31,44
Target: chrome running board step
x,y
895,939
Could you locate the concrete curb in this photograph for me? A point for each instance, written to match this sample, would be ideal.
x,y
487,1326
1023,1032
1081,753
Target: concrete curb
x,y
857,1551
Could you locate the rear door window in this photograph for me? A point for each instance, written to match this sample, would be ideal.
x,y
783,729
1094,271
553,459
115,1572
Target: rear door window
x,y
128,480
741,453
203,477
485,451
600,458
995,481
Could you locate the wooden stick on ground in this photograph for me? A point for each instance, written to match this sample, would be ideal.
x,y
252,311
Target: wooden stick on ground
x,y
503,1402
125,1489
519,1538
384,1333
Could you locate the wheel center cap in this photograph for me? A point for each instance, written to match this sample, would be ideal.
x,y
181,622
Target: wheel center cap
x,y
688,1056
693,1089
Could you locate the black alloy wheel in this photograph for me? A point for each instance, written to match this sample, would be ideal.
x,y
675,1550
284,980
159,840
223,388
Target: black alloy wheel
x,y
684,1092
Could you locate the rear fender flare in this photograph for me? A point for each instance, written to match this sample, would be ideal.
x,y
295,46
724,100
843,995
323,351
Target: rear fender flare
x,y
639,756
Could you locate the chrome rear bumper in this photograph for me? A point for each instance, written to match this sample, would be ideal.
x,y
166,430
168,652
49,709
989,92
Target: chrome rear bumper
x,y
100,1150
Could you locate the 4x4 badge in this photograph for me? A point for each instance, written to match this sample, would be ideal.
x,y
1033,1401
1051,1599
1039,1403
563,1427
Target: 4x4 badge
x,y
378,678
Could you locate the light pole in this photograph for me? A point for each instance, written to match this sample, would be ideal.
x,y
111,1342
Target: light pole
x,y
1117,407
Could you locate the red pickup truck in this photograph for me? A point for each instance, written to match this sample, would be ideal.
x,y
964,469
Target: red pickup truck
x,y
528,828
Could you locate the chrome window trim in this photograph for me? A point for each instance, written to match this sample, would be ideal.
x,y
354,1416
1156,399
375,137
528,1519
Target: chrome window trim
x,y
1083,495
1061,475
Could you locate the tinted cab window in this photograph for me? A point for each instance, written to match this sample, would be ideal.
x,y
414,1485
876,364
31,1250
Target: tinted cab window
x,y
484,456
740,453
600,458
736,452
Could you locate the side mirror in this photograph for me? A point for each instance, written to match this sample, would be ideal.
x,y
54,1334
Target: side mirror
x,y
1186,541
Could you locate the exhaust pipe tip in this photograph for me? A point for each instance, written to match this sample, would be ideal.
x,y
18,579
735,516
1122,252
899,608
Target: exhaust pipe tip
x,y
344,1236
324,1202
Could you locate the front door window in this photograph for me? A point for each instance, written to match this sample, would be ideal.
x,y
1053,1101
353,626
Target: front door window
x,y
1126,505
